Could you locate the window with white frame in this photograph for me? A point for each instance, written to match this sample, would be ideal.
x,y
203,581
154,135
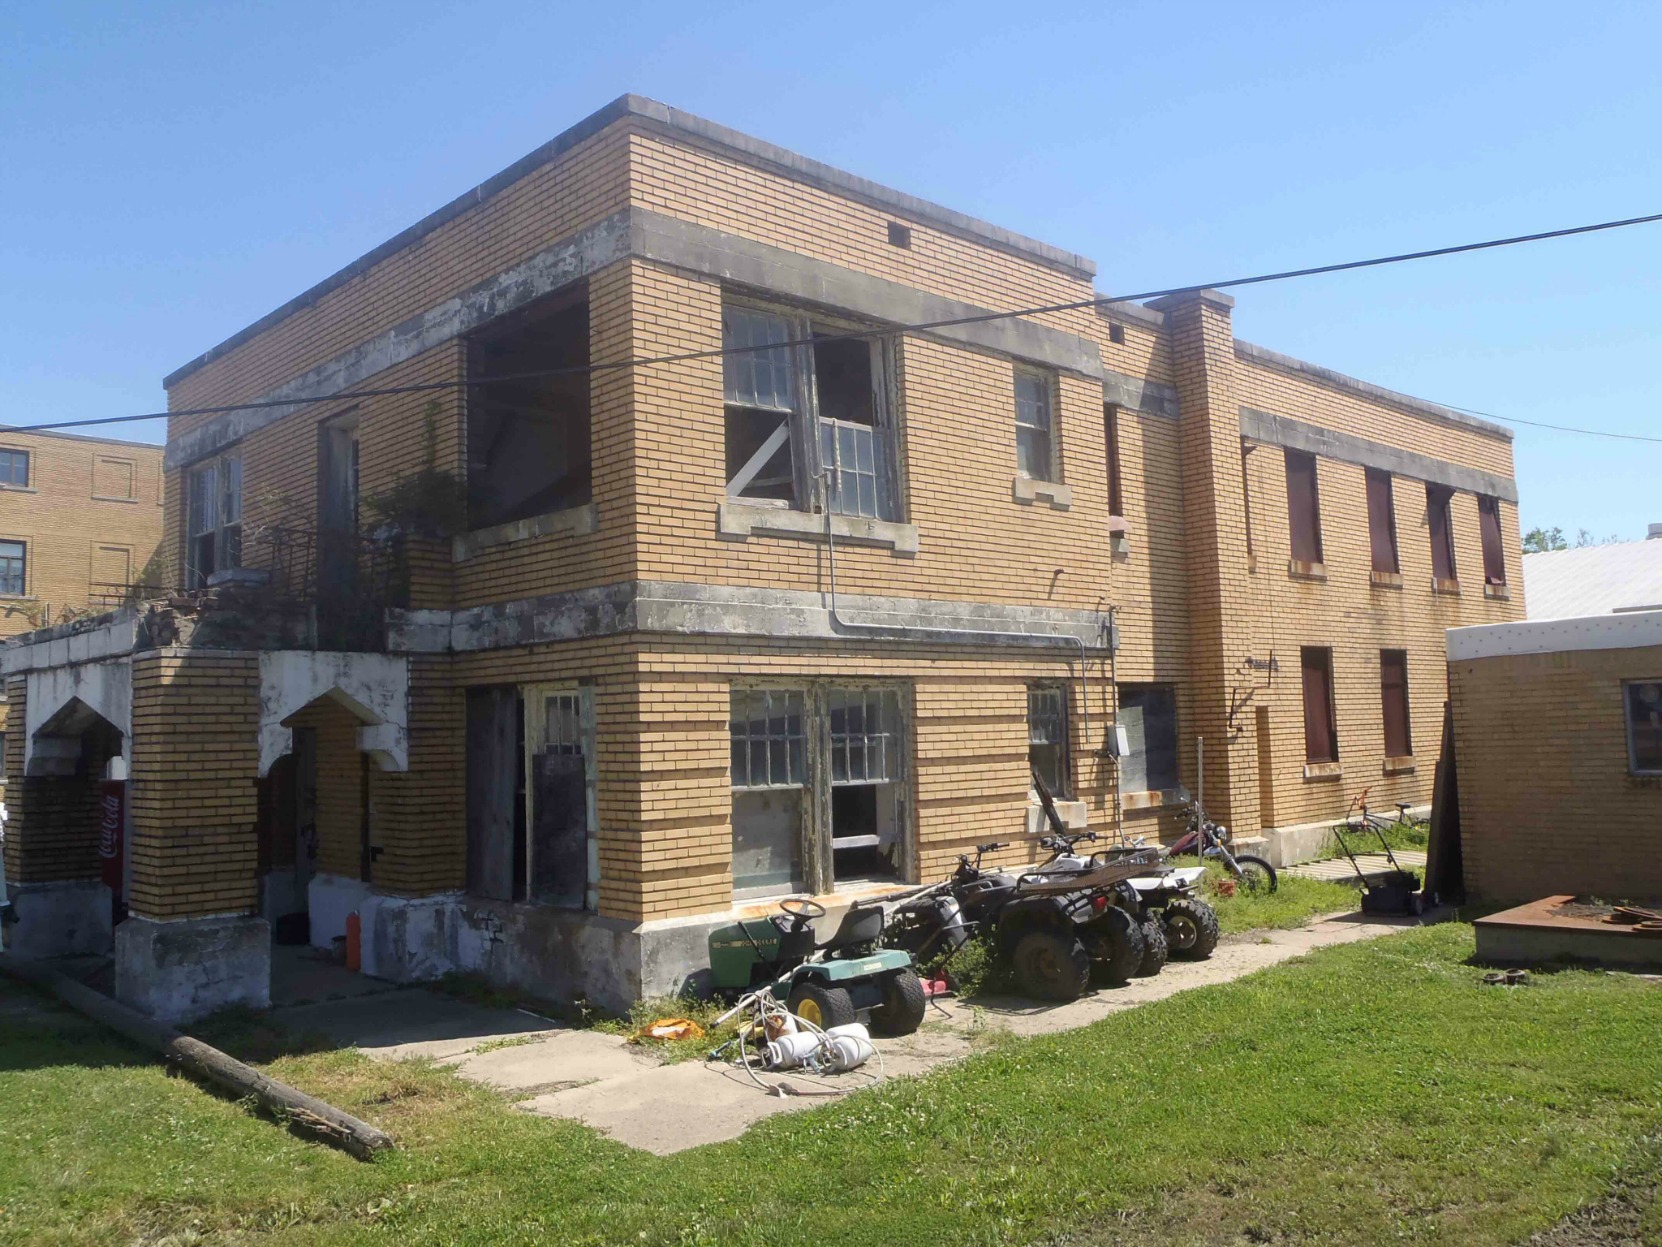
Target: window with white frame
x,y
806,403
14,569
1035,444
1643,699
214,517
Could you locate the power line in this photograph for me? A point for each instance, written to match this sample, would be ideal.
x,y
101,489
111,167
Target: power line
x,y
1560,428
921,326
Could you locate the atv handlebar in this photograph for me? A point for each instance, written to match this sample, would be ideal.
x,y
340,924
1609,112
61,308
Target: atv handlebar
x,y
1061,844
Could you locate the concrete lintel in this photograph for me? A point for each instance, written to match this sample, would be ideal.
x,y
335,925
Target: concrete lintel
x,y
1377,393
1629,630
374,688
743,519
63,918
1154,398
182,970
1261,426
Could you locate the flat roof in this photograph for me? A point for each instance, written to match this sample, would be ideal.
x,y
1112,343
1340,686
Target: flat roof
x,y
83,437
781,159
1633,630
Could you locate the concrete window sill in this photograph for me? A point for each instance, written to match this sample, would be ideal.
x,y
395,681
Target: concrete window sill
x,y
1155,799
1028,491
573,521
1306,571
113,498
1074,816
1498,593
1449,587
1323,770
1400,766
1385,580
18,489
742,520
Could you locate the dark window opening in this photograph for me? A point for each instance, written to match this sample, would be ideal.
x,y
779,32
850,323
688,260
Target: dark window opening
x,y
528,440
14,468
1246,494
1303,507
214,519
1149,715
1321,733
900,235
1047,738
1494,552
1439,519
1116,494
337,504
1393,694
495,794
1382,522
867,840
14,569
1643,700
1116,334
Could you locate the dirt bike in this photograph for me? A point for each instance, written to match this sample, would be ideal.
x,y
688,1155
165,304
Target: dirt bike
x,y
1252,873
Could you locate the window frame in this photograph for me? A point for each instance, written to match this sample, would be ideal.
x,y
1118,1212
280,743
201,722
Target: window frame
x,y
22,559
1386,691
1137,693
1331,710
1492,540
1297,549
1116,481
13,454
806,429
1062,719
1047,388
1629,725
1384,524
1439,513
534,703
226,531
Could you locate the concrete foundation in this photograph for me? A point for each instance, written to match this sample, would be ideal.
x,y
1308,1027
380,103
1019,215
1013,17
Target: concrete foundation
x,y
329,898
281,893
70,918
1299,842
1537,935
178,971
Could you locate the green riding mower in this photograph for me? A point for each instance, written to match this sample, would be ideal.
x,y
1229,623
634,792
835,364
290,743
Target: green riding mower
x,y
829,984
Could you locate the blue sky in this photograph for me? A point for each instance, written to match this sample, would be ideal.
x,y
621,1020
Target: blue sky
x,y
170,172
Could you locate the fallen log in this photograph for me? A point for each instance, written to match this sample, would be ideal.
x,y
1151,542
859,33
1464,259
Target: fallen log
x,y
207,1062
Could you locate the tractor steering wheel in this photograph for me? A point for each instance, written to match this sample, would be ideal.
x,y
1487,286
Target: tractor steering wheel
x,y
802,911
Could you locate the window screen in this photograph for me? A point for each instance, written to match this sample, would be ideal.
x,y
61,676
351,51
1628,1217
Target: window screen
x,y
1440,522
1035,456
1393,696
1321,735
1047,738
1382,522
1149,714
1494,556
1644,726
13,570
1303,511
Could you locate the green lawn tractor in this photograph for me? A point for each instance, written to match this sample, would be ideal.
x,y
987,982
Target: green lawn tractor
x,y
829,984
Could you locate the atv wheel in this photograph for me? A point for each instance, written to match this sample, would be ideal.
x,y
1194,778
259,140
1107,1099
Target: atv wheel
x,y
1125,946
820,1005
1257,875
1155,948
1191,929
1051,966
902,1009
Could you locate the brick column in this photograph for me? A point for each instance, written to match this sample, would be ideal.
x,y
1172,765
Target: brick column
x,y
1222,625
193,943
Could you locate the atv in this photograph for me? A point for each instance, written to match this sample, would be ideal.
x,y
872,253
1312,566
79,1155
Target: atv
x,y
829,984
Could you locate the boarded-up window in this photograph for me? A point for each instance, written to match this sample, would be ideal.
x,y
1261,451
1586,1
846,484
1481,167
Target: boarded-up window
x,y
1488,523
1393,696
1303,510
1148,713
1047,738
112,570
1439,519
495,794
1382,522
1644,726
559,747
1116,495
1321,734
112,478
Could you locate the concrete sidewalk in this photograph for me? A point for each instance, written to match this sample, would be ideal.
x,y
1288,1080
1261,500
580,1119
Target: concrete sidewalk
x,y
604,1082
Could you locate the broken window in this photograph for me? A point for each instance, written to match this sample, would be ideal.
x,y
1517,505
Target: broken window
x,y
1303,509
1643,700
14,468
1393,695
1047,738
1149,715
14,560
214,515
1321,734
1440,520
1382,522
1494,552
803,404
1035,451
800,756
528,435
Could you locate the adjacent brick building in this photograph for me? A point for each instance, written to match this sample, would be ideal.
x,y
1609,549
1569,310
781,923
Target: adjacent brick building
x,y
542,675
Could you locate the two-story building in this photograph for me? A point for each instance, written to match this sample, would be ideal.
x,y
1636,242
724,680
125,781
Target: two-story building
x,y
673,523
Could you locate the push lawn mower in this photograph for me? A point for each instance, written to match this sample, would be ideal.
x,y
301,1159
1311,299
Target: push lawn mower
x,y
829,984
1397,891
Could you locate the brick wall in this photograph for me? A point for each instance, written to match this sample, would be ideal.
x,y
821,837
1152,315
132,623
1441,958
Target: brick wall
x,y
90,514
1546,801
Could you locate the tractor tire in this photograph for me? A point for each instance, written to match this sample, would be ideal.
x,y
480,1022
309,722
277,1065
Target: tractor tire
x,y
1155,948
821,1005
903,1006
1257,875
1191,929
1051,966
1125,946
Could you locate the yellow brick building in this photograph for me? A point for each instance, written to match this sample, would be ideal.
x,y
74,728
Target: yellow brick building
x,y
798,604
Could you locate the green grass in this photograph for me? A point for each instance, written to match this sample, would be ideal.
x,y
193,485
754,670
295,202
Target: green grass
x,y
1397,835
1293,903
1368,1093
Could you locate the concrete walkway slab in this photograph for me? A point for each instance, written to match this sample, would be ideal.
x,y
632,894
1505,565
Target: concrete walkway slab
x,y
409,1022
1373,865
549,1062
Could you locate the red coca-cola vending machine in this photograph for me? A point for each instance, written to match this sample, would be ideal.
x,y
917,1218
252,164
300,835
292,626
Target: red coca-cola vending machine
x,y
112,836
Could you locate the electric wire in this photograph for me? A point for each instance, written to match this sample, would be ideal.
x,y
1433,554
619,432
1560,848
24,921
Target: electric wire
x,y
886,331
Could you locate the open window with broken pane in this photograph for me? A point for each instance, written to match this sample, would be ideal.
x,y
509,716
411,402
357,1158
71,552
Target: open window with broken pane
x,y
867,824
806,405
